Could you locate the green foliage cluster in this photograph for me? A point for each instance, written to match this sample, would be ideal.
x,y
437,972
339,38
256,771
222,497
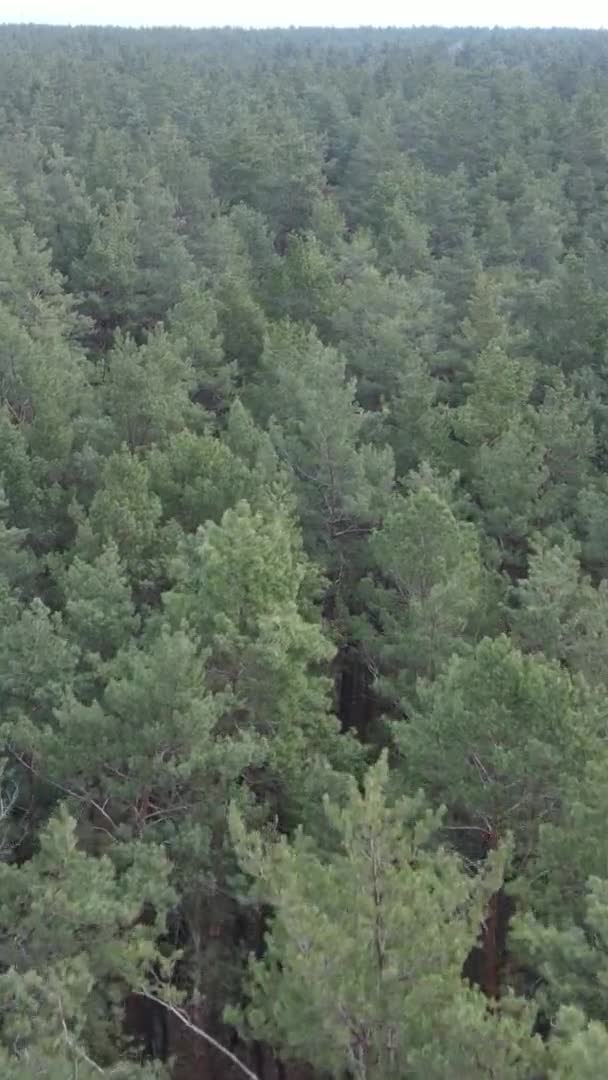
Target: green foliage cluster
x,y
303,554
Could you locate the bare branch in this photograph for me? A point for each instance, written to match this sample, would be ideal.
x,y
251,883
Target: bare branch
x,y
185,1020
7,802
86,799
77,1050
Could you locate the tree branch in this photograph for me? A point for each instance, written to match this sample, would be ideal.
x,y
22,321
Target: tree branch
x,y
185,1020
88,800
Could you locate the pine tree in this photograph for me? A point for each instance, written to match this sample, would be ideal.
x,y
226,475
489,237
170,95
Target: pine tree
x,y
318,431
429,565
71,944
146,389
126,512
364,953
242,586
559,613
491,737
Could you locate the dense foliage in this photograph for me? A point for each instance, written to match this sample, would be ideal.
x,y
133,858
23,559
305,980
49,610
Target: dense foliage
x,y
303,554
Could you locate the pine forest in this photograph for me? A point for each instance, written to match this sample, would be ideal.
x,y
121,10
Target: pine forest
x,y
303,554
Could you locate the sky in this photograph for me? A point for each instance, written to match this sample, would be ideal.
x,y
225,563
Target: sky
x,y
260,13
